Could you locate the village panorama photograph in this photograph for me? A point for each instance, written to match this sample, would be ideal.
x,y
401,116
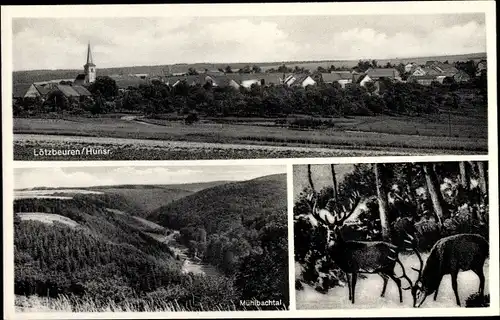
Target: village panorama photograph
x,y
188,87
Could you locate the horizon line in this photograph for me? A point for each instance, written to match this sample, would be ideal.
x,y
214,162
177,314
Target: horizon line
x,y
145,184
267,62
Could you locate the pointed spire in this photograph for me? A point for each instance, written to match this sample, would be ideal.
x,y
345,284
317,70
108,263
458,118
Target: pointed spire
x,y
89,55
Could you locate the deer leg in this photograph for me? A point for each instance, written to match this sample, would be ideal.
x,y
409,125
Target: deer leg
x,y
398,283
386,279
349,286
354,278
480,274
437,290
454,276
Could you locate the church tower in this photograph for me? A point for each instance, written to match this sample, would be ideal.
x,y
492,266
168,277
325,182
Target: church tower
x,y
89,68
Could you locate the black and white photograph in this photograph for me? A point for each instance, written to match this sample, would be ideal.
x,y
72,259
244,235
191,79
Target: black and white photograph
x,y
245,87
392,235
150,238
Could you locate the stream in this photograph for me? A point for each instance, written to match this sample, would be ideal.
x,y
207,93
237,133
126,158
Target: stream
x,y
189,264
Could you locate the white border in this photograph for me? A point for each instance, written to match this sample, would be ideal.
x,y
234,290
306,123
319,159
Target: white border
x,y
488,7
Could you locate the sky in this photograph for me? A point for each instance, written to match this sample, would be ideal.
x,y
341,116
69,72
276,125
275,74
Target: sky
x,y
61,43
100,176
321,175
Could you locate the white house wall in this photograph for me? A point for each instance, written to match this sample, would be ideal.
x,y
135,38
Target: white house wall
x,y
308,82
32,92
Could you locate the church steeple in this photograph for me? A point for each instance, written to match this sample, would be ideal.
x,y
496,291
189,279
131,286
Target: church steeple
x,y
89,56
89,67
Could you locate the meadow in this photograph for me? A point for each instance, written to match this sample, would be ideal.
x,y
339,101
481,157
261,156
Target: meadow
x,y
252,138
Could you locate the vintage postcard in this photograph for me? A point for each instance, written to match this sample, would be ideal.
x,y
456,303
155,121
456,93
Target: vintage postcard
x,y
267,160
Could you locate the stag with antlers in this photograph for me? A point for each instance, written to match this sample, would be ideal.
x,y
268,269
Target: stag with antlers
x,y
450,255
355,257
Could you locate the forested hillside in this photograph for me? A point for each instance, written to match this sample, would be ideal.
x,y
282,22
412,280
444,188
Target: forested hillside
x,y
239,227
107,255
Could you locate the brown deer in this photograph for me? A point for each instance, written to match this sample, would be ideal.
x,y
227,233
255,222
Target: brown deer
x,y
354,257
461,252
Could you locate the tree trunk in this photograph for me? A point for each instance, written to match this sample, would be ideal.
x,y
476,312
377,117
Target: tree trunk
x,y
434,192
482,178
309,176
382,202
334,180
464,176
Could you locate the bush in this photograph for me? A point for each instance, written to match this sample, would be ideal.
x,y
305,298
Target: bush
x,y
191,118
476,300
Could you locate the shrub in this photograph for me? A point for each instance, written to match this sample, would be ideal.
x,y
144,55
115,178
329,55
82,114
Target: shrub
x,y
191,118
476,300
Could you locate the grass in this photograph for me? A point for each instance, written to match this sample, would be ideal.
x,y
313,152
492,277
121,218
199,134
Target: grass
x,y
67,304
352,136
48,218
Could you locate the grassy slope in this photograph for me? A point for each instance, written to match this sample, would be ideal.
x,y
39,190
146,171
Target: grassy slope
x,y
224,204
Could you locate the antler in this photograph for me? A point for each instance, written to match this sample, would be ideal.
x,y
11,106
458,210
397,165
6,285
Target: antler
x,y
338,219
411,241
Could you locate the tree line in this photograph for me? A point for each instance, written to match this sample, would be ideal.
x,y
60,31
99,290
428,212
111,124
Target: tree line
x,y
328,100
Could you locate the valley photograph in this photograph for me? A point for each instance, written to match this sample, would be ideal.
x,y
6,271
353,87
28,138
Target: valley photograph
x,y
392,235
246,87
150,238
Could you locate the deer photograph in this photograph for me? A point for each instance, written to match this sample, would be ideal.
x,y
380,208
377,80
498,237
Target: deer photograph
x,y
393,234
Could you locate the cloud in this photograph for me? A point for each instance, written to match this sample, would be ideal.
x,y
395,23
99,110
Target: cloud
x,y
61,43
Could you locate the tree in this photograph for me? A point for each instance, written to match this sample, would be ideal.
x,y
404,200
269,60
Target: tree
x,y
382,202
434,192
106,86
334,183
464,176
482,177
228,69
256,69
192,72
321,69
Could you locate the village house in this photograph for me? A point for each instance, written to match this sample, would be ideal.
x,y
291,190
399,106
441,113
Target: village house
x,y
388,73
341,77
461,76
42,90
410,67
295,80
424,80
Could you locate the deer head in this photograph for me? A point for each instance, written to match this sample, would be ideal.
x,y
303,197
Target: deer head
x,y
338,218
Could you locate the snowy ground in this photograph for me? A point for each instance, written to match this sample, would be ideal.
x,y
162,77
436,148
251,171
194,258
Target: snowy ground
x,y
368,291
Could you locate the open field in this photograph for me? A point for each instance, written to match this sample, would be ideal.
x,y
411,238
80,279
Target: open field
x,y
47,218
368,291
169,140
